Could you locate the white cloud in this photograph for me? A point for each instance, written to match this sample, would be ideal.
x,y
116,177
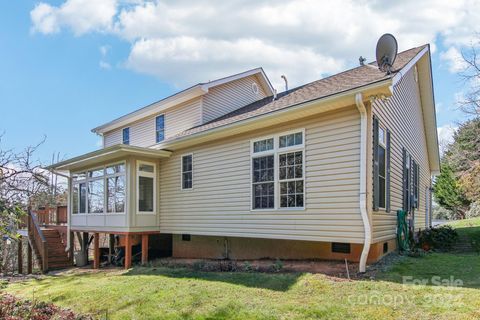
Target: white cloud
x,y
104,65
184,42
104,51
162,57
81,16
454,60
445,136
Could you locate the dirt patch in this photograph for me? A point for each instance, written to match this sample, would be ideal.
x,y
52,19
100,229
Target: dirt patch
x,y
12,308
329,268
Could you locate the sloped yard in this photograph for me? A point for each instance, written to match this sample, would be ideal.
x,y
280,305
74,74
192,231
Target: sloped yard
x,y
439,286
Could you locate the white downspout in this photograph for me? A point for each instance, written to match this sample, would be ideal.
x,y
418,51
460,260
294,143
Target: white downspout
x,y
363,181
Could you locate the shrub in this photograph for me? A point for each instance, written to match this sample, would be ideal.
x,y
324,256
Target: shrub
x,y
247,266
277,266
199,265
227,266
474,210
439,238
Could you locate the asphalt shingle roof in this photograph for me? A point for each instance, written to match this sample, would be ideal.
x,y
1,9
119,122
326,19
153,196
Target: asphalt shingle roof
x,y
344,81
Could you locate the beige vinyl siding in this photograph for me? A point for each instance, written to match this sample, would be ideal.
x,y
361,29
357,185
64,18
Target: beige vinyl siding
x,y
230,96
177,119
112,138
183,117
220,202
402,115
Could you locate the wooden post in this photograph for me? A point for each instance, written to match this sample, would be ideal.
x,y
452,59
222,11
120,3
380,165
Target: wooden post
x,y
111,247
20,255
71,246
128,251
96,251
144,249
85,245
29,258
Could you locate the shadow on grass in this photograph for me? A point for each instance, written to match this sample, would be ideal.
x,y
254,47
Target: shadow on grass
x,y
276,282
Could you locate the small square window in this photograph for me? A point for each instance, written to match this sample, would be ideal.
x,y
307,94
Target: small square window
x,y
186,237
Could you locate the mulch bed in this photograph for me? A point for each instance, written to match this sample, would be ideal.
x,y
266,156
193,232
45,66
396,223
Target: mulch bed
x,y
12,308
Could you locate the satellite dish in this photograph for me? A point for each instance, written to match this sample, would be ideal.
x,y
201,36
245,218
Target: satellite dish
x,y
386,52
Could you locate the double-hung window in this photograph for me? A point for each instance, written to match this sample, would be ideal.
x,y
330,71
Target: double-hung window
x,y
126,136
160,128
278,172
187,172
146,188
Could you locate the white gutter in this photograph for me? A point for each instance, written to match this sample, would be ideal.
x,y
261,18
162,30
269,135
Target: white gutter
x,y
363,181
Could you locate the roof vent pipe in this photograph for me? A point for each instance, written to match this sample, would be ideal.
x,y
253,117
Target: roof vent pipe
x,y
286,81
274,94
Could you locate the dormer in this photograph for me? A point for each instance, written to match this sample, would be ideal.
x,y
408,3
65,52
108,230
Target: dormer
x,y
186,109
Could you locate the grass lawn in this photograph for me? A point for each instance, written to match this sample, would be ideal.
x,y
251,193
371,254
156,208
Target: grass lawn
x,y
168,293
467,227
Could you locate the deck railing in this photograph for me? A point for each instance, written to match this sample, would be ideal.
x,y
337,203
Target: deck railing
x,y
52,216
35,233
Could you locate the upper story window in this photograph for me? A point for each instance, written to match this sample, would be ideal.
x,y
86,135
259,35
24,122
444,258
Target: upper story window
x,y
146,177
278,172
160,128
187,171
126,136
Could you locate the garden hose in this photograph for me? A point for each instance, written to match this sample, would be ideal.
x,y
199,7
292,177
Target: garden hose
x,y
402,231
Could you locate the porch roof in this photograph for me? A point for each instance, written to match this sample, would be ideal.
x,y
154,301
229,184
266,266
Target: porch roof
x,y
109,153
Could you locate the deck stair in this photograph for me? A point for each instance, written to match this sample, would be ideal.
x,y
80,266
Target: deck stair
x,y
48,245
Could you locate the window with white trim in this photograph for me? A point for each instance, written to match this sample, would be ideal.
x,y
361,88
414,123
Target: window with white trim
x,y
187,171
116,183
278,171
263,182
91,189
160,128
146,187
126,135
290,167
382,167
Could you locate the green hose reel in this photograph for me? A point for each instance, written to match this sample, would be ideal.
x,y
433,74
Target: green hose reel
x,y
402,231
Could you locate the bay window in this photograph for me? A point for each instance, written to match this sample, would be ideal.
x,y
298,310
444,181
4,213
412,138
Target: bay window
x,y
278,172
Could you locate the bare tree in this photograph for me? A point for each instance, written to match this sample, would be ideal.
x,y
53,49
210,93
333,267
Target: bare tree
x,y
22,180
470,103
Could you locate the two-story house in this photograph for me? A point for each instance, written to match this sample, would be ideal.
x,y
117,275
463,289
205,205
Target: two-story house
x,y
230,169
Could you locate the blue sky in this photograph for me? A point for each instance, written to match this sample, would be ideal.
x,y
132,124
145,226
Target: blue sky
x,y
68,66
